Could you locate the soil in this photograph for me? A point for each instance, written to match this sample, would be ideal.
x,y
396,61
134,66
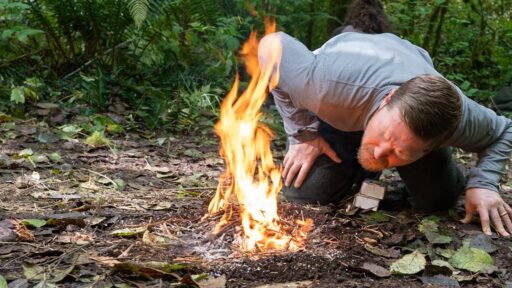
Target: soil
x,y
168,188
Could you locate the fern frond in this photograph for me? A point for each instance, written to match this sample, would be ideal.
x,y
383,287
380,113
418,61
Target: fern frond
x,y
139,10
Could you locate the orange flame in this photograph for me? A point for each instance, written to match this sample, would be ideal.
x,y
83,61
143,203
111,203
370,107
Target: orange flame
x,y
252,180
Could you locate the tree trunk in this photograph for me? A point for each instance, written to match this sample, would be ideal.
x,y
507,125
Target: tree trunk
x,y
431,25
439,27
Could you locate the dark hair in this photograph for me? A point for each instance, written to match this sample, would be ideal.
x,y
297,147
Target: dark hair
x,y
430,107
367,16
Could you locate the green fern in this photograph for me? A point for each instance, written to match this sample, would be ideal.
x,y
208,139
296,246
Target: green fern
x,y
139,11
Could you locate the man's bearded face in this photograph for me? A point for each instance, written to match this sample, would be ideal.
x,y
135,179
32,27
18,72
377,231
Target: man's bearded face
x,y
368,161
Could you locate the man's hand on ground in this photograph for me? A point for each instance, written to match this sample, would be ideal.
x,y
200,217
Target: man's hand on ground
x,y
490,207
300,159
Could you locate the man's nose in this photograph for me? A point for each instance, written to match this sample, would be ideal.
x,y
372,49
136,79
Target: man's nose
x,y
382,151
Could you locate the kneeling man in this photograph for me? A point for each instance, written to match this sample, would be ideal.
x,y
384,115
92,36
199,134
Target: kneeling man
x,y
363,103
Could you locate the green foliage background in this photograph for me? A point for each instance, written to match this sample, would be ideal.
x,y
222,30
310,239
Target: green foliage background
x,y
171,61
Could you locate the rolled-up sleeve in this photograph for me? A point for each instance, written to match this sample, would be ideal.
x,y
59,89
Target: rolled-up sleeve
x,y
300,124
489,135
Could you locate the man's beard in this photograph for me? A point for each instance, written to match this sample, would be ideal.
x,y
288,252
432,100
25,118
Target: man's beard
x,y
369,163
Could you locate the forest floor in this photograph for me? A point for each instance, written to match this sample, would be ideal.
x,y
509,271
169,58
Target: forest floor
x,y
131,215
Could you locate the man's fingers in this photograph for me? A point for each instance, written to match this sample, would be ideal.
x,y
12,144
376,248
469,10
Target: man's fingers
x,y
286,168
498,224
505,216
331,154
469,214
292,173
507,221
484,220
302,174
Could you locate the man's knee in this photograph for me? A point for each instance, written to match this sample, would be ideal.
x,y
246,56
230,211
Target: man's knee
x,y
435,182
327,182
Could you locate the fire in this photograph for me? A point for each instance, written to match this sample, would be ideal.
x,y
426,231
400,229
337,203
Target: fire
x,y
252,180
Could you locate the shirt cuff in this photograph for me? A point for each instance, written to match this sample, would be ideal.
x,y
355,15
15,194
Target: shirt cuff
x,y
302,137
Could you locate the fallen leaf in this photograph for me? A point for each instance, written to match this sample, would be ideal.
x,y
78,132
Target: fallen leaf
x,y
394,239
120,184
157,169
376,270
428,225
483,242
45,284
155,240
26,152
94,220
164,205
36,223
75,238
219,282
97,139
436,238
47,138
298,284
7,235
194,153
446,253
409,264
140,269
55,157
44,105
380,252
128,232
471,259
34,271
375,217
464,278
440,280
3,282
439,267
89,186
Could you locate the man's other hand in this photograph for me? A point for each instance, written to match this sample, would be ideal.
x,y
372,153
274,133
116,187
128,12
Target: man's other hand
x,y
300,158
490,207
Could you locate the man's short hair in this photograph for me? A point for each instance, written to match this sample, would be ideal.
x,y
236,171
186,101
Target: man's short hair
x,y
430,107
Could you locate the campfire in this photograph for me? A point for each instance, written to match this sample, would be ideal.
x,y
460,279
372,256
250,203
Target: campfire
x,y
252,180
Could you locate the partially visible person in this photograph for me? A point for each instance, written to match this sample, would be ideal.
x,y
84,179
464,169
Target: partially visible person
x,y
365,16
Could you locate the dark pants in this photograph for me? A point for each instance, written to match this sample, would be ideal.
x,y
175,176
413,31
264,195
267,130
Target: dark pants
x,y
434,182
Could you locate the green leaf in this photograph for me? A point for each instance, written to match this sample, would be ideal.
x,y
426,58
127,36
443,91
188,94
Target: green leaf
x,y
3,282
446,253
36,223
436,238
26,153
69,131
128,232
34,272
17,95
409,264
428,226
120,184
97,139
375,217
471,259
194,153
55,157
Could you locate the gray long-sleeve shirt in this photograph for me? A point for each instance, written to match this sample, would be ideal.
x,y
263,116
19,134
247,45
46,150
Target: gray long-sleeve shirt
x,y
344,81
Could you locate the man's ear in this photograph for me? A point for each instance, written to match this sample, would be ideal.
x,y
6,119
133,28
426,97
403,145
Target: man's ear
x,y
387,98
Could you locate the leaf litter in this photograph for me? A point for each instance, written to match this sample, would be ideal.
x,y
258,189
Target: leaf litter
x,y
129,211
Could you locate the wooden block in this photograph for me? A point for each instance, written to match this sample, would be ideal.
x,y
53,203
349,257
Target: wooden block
x,y
365,202
373,189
